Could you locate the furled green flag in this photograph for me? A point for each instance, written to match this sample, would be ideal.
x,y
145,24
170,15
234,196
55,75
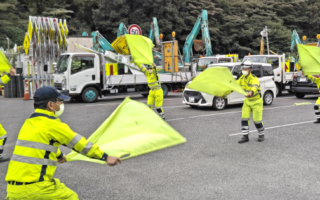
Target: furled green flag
x,y
131,130
309,59
4,63
217,81
140,49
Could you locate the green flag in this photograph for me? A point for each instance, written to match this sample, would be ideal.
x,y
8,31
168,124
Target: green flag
x,y
4,63
217,81
140,49
309,59
131,130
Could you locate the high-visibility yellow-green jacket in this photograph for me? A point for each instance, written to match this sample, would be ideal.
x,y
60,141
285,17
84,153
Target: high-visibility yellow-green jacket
x,y
37,149
152,78
251,83
315,80
4,79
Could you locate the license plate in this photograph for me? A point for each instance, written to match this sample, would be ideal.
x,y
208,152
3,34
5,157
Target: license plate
x,y
191,99
303,79
287,87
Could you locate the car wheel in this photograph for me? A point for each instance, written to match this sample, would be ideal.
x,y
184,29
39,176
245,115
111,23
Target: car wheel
x,y
219,103
165,90
267,98
300,95
89,95
279,91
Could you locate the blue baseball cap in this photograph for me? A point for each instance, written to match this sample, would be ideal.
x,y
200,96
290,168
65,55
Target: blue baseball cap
x,y
48,93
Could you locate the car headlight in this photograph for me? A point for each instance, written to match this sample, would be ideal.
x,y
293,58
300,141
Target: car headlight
x,y
63,84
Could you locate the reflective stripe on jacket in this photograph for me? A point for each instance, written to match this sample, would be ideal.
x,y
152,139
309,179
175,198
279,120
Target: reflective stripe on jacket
x,y
37,149
251,83
4,79
314,80
152,78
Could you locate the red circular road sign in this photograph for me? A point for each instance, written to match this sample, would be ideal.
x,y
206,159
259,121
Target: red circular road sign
x,y
134,29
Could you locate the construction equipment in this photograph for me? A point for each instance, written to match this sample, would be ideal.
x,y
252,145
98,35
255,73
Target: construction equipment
x,y
45,40
154,34
100,43
201,23
122,30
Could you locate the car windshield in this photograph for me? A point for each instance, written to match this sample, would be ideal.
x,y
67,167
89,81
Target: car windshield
x,y
258,59
203,62
63,63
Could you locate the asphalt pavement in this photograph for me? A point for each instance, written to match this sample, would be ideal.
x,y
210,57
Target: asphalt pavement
x,y
210,165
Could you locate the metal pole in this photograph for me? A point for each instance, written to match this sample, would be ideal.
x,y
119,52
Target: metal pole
x,y
8,44
266,29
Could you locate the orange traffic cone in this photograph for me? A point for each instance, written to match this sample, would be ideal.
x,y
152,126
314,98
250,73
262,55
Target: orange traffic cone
x,y
26,90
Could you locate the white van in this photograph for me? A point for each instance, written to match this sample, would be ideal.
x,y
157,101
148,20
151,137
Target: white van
x,y
263,71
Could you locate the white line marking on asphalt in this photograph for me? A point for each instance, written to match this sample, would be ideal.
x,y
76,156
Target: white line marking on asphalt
x,y
231,112
275,127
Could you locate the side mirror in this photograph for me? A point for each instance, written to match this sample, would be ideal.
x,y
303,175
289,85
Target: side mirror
x,y
54,66
45,68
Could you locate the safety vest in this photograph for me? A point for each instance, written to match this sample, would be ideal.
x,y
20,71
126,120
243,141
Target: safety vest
x,y
314,80
152,78
250,83
37,148
4,79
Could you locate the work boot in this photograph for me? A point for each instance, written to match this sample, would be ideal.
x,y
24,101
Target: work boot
x,y
317,121
2,159
245,138
260,138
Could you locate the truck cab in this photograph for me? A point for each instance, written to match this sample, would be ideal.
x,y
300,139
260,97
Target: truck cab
x,y
283,71
202,63
77,71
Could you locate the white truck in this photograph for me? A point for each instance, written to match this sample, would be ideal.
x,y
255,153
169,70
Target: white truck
x,y
83,76
284,72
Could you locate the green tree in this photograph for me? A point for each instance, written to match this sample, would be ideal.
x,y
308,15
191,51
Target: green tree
x,y
11,25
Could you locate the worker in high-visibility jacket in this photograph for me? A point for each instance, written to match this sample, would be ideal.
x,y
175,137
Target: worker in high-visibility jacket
x,y
317,105
253,102
155,96
3,133
36,153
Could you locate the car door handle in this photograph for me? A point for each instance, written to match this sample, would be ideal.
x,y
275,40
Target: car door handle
x,y
93,77
278,75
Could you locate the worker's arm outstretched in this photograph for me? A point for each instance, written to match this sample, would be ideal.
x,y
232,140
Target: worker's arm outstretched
x,y
143,69
5,78
62,133
314,79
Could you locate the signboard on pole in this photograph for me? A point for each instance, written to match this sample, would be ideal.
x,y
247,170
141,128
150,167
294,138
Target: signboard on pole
x,y
134,29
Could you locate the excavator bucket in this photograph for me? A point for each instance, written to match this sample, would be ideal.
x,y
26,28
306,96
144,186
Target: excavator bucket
x,y
198,45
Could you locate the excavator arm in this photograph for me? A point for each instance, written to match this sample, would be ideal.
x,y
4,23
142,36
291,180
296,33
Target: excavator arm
x,y
294,40
201,23
122,30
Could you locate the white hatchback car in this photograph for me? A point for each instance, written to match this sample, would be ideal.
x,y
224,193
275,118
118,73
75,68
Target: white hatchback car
x,y
263,71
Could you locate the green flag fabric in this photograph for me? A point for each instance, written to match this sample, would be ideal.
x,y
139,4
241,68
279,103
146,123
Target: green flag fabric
x,y
4,63
217,81
309,59
131,130
140,49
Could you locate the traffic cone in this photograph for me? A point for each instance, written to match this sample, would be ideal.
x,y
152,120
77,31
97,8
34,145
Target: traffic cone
x,y
26,90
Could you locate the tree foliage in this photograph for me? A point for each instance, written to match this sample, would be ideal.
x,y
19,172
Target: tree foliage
x,y
234,25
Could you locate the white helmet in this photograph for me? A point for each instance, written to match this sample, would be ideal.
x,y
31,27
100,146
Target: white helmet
x,y
246,64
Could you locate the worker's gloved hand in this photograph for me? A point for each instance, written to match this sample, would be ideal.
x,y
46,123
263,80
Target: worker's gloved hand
x,y
12,71
62,160
112,160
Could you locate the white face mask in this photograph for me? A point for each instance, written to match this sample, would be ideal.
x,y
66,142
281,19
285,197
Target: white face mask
x,y
150,71
245,73
59,113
